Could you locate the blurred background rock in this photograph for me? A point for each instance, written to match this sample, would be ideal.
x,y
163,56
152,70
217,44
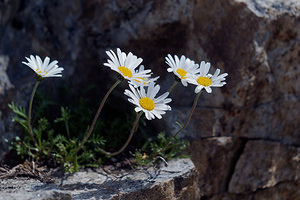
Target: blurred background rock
x,y
245,137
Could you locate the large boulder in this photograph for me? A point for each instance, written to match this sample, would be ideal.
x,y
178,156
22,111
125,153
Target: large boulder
x,y
256,42
263,165
175,181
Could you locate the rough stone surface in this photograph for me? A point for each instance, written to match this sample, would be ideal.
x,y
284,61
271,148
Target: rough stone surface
x,y
176,181
270,164
256,42
215,157
285,190
6,95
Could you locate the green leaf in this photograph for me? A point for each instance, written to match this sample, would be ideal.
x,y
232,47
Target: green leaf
x,y
21,121
18,110
179,124
65,115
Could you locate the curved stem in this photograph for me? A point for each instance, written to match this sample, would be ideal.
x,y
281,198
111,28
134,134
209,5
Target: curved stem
x,y
132,131
190,115
97,115
173,85
67,128
183,127
29,113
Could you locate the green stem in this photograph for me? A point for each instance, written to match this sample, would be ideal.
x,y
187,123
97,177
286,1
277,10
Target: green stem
x,y
29,113
67,128
190,115
97,115
76,167
132,131
40,140
183,127
173,85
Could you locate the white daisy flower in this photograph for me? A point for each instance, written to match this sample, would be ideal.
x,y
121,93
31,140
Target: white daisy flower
x,y
146,101
138,81
125,65
181,68
205,80
44,69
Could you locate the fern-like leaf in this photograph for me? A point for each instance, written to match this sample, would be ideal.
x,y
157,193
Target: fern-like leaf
x,y
18,110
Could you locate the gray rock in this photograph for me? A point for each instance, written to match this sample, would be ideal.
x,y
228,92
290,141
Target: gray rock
x,y
215,159
264,165
176,181
6,94
256,42
286,190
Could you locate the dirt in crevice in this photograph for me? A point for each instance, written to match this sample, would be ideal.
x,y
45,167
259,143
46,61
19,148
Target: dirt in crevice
x,y
28,169
235,159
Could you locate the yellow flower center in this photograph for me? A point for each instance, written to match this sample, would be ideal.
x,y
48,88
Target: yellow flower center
x,y
125,71
147,103
40,72
139,81
204,81
182,73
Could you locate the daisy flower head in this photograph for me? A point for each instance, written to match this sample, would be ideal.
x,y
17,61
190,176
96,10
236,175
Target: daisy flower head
x,y
44,68
147,102
204,80
125,65
136,82
182,68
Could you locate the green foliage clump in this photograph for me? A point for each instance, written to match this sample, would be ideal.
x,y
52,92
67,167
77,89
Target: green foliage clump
x,y
58,138
160,147
59,145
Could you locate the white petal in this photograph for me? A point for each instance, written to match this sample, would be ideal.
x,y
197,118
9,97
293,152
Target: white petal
x,y
198,88
184,83
121,57
46,62
217,72
207,66
202,68
39,62
156,114
148,115
137,109
170,69
208,89
154,92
